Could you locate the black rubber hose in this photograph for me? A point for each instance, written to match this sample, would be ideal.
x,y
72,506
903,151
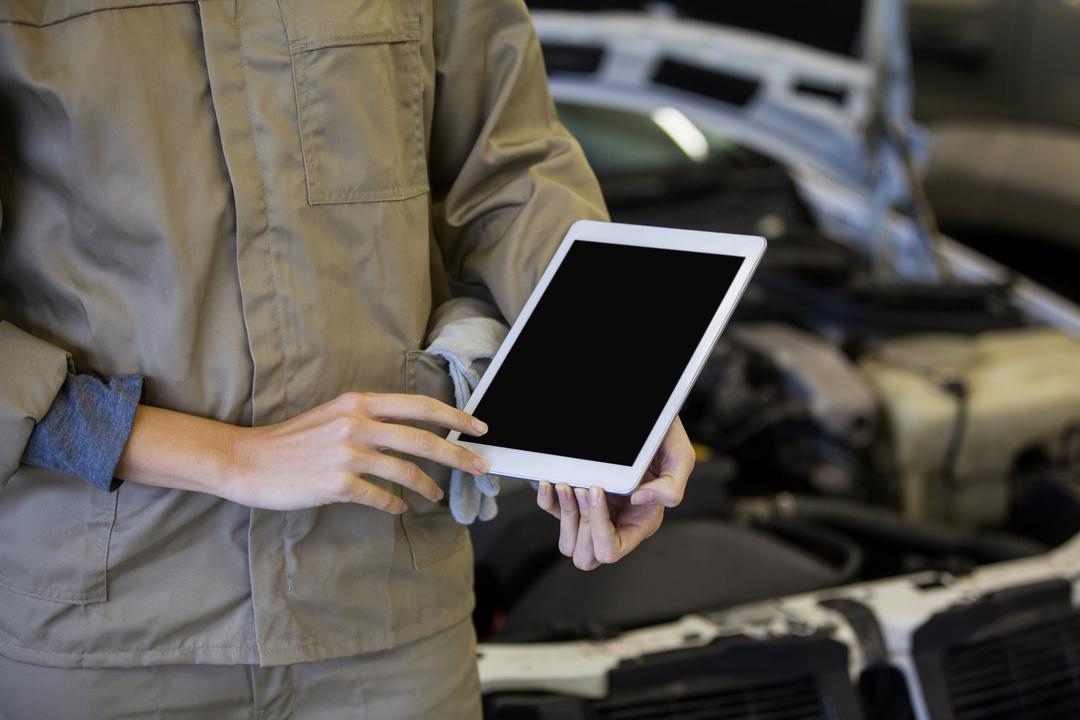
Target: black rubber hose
x,y
842,553
867,522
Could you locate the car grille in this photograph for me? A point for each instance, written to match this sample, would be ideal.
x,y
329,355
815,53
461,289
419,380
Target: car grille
x,y
1030,673
796,699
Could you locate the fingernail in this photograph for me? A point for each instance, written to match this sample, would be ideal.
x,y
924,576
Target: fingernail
x,y
481,465
439,495
479,426
594,496
563,491
644,497
582,499
545,488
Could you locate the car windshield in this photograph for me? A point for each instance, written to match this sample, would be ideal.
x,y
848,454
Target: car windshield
x,y
658,154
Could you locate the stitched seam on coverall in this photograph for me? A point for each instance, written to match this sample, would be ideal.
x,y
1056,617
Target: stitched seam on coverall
x,y
95,11
279,307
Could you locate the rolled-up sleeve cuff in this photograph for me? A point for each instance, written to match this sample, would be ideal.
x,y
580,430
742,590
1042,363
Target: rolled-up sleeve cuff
x,y
86,428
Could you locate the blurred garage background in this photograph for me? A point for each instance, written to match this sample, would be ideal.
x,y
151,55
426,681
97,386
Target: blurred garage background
x,y
881,522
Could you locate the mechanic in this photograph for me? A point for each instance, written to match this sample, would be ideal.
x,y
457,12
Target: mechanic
x,y
225,226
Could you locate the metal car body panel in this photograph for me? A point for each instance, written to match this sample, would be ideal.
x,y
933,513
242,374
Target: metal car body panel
x,y
899,607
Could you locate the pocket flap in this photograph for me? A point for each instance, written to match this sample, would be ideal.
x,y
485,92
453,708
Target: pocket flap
x,y
327,23
54,536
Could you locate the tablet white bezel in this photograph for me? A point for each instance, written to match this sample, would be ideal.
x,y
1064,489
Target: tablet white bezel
x,y
618,479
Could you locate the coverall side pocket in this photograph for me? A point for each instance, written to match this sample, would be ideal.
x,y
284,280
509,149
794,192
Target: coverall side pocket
x,y
431,530
54,537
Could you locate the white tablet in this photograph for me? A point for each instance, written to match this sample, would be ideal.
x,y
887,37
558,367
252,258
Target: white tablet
x,y
594,370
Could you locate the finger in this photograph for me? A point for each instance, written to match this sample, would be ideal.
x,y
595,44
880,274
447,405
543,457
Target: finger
x,y
568,519
633,534
676,456
681,455
664,490
398,471
545,498
584,558
421,443
606,541
357,490
421,408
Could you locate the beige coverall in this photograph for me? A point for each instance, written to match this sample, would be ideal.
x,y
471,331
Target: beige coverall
x,y
256,204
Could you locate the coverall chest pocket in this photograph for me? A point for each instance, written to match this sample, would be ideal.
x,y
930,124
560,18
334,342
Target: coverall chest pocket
x,y
359,94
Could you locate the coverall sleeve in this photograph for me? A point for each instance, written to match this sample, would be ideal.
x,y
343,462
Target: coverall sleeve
x,y
53,418
507,178
32,372
86,428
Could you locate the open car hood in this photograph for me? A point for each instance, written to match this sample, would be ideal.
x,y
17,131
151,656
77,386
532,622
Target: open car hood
x,y
839,120
834,26
813,76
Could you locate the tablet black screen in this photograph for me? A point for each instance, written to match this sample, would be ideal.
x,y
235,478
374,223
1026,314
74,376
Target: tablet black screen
x,y
603,350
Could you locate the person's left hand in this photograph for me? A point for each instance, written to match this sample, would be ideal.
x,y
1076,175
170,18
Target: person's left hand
x,y
596,529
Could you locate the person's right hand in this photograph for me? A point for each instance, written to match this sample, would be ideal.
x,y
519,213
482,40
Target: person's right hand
x,y
320,456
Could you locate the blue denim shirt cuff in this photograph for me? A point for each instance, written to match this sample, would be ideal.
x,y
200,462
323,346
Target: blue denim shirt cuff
x,y
86,428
